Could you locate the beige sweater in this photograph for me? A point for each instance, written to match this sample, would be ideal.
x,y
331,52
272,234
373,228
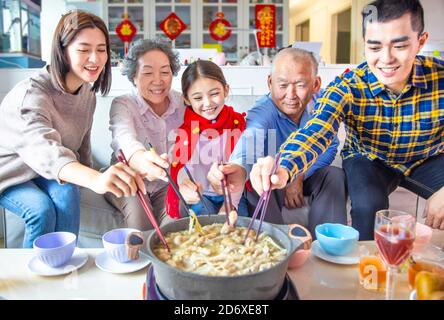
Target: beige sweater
x,y
43,129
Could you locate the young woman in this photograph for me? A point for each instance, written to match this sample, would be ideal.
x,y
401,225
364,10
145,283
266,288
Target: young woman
x,y
208,135
45,127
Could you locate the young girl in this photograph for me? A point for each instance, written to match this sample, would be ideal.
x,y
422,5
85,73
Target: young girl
x,y
45,128
208,135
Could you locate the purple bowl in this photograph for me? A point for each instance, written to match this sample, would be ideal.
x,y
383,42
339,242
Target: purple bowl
x,y
55,248
114,243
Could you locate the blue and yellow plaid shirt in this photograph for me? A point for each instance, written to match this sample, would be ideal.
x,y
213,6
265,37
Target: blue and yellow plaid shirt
x,y
402,131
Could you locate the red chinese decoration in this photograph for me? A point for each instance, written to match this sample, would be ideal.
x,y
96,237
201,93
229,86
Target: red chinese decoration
x,y
220,28
266,23
172,26
126,31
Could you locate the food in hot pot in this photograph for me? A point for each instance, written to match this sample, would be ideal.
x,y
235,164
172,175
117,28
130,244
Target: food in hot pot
x,y
220,251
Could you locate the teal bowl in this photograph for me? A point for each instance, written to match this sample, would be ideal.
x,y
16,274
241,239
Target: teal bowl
x,y
336,239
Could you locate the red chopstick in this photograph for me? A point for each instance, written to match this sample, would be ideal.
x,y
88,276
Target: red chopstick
x,y
145,206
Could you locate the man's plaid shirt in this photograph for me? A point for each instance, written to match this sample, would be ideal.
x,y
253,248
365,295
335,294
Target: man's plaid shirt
x,y
402,131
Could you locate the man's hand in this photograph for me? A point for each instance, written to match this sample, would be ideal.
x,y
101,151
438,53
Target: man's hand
x,y
261,178
434,210
149,164
189,191
294,194
234,173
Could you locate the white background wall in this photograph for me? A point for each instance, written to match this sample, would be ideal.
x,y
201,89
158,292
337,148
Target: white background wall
x,y
434,20
320,13
52,10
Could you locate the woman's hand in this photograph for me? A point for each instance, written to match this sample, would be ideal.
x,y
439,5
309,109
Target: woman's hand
x,y
149,164
434,210
120,180
189,191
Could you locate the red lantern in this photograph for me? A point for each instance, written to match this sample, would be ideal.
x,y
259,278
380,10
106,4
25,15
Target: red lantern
x,y
220,28
126,31
172,26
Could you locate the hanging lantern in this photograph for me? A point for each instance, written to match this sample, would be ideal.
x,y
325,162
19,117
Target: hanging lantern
x,y
220,28
172,26
126,31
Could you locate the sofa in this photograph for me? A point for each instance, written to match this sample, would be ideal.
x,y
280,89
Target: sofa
x,y
97,216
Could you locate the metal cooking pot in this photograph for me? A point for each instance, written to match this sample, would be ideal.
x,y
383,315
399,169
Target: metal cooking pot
x,y
263,285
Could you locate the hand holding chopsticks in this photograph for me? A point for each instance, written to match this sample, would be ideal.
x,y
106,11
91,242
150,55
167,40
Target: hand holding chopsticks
x,y
191,213
149,213
262,203
227,197
201,198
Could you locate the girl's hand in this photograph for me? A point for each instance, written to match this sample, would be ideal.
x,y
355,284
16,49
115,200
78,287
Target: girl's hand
x,y
235,175
189,191
118,179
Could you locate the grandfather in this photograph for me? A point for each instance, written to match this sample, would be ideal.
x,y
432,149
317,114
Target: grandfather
x,y
293,82
392,107
151,113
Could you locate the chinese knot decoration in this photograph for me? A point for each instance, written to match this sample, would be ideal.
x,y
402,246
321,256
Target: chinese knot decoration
x,y
220,28
172,26
266,23
126,31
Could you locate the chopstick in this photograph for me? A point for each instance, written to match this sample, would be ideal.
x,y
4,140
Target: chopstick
x,y
227,197
262,204
176,190
198,192
121,157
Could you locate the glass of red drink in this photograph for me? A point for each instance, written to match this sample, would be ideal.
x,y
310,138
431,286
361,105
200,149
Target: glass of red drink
x,y
394,237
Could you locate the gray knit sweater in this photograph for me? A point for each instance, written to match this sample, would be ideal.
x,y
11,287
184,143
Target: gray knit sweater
x,y
42,129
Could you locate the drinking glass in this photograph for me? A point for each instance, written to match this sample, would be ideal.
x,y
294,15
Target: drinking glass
x,y
394,237
372,269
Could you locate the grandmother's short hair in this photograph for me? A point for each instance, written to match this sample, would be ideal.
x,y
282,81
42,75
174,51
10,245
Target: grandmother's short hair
x,y
142,46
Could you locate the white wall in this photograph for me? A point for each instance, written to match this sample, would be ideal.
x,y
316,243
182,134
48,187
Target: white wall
x,y
52,11
434,22
320,13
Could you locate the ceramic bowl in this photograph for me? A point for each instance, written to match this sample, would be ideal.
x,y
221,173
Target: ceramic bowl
x,y
298,258
114,243
55,248
423,235
336,239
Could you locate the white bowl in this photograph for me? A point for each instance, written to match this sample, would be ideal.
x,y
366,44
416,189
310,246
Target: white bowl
x,y
55,248
114,243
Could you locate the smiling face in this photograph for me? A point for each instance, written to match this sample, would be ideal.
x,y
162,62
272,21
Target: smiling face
x,y
87,56
207,97
153,78
390,50
292,85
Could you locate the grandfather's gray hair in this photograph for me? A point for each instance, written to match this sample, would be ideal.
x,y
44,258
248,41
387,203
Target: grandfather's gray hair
x,y
297,54
142,46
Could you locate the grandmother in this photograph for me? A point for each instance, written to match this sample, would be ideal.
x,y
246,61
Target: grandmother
x,y
150,114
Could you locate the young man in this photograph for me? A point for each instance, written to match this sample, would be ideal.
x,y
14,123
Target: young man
x,y
293,82
392,107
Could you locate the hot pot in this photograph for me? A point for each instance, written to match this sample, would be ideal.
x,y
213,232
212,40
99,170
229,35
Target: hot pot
x,y
263,285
